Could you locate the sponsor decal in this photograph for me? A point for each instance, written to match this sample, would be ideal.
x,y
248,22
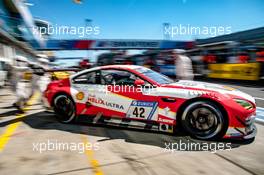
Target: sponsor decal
x,y
142,109
93,99
167,110
80,96
143,103
128,44
165,120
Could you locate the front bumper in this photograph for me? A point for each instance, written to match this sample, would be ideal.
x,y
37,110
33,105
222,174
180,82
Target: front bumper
x,y
248,131
252,133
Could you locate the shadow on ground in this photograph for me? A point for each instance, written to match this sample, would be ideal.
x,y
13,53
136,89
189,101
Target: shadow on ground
x,y
9,113
47,121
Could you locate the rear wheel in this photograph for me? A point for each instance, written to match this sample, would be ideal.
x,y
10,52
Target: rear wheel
x,y
203,120
64,108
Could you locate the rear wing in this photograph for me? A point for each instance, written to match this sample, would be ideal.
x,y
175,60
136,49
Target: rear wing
x,y
59,74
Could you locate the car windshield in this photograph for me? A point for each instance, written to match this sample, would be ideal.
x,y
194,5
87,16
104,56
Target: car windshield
x,y
155,76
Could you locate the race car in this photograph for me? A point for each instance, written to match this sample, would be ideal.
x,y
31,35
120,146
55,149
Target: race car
x,y
138,97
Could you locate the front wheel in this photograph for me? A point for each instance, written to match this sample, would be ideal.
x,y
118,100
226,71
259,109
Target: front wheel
x,y
203,120
64,108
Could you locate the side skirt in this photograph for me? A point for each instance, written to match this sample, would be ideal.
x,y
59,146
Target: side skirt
x,y
126,123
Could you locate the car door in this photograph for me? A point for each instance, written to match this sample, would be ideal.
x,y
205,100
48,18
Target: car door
x,y
124,99
85,88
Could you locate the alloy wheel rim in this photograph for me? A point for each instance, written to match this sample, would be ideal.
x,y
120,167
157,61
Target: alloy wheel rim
x,y
202,120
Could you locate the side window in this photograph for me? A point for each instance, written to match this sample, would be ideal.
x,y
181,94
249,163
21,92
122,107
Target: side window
x,y
117,77
88,78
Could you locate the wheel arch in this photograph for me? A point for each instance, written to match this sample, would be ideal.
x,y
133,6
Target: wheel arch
x,y
61,93
215,102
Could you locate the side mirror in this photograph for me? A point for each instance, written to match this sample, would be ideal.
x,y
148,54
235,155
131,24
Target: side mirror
x,y
139,82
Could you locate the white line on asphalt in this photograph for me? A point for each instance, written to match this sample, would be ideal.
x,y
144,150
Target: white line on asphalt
x,y
259,121
260,109
260,115
258,98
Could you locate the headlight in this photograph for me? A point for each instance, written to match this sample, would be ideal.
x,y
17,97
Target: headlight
x,y
245,104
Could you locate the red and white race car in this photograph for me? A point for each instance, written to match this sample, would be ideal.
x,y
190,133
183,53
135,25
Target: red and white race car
x,y
135,96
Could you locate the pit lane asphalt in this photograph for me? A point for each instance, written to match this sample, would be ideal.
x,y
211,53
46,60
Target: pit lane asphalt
x,y
120,151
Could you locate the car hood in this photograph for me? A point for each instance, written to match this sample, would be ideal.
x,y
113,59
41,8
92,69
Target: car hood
x,y
200,86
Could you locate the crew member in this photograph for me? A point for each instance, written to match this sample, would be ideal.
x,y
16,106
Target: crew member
x,y
183,65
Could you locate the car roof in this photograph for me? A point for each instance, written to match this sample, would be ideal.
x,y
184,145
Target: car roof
x,y
123,67
120,67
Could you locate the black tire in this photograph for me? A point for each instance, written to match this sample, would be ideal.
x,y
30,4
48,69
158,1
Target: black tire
x,y
64,108
204,120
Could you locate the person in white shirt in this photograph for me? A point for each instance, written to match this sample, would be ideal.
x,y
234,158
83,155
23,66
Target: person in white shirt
x,y
183,65
17,81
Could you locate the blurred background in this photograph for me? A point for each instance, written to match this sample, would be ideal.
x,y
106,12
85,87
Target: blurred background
x,y
28,29
44,40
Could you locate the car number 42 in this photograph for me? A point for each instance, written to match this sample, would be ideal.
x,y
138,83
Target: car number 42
x,y
139,112
142,109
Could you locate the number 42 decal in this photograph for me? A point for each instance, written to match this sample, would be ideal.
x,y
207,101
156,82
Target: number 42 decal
x,y
139,112
142,109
